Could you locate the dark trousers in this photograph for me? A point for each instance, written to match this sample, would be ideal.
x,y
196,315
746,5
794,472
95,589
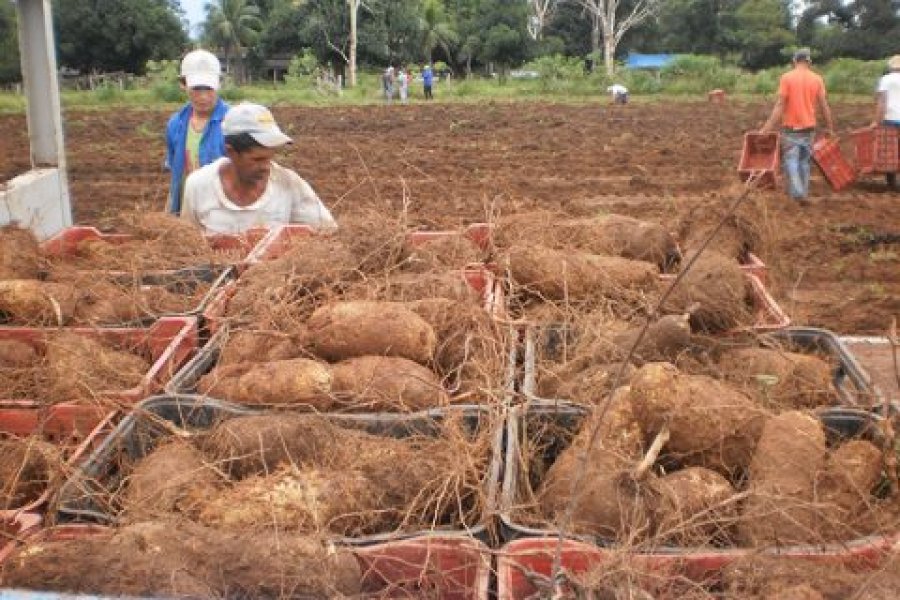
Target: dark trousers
x,y
428,95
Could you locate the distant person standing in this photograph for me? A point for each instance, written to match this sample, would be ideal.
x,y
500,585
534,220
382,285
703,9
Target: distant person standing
x,y
403,85
387,84
427,82
887,106
619,93
194,134
800,92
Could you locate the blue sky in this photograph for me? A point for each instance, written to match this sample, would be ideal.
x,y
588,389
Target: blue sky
x,y
193,10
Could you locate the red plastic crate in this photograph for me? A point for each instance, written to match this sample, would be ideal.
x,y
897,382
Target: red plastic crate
x,y
827,154
66,242
71,427
170,342
278,241
14,526
886,159
864,149
446,567
434,566
761,156
521,558
756,266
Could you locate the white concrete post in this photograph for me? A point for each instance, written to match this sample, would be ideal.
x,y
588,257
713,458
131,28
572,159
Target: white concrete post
x,y
39,199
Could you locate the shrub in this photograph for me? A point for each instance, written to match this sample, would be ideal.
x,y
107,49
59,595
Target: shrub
x,y
302,70
852,76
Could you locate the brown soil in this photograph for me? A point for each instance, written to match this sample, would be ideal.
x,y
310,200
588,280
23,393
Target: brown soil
x,y
458,164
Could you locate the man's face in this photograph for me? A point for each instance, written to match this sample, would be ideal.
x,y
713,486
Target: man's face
x,y
252,166
202,98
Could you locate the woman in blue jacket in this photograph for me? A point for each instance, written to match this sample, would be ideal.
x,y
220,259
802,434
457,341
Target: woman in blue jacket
x,y
194,133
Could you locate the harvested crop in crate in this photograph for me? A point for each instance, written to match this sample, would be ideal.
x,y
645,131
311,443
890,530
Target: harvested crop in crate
x,y
15,354
27,467
844,488
181,559
309,473
20,254
80,367
260,346
175,477
780,379
37,303
349,329
710,424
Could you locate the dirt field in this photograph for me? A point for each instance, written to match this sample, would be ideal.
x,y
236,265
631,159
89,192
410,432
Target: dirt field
x,y
835,264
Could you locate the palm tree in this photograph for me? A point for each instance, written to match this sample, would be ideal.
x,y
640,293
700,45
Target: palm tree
x,y
232,25
436,29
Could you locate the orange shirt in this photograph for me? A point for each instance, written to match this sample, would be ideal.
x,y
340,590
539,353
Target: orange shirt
x,y
799,88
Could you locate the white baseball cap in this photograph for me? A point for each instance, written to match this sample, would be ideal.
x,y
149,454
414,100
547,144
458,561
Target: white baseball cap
x,y
257,120
201,69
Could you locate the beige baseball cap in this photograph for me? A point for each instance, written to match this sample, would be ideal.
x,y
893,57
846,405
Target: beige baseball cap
x,y
256,120
201,69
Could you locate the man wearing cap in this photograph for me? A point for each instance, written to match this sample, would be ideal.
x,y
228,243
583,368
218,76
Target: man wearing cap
x,y
194,133
887,107
800,91
245,188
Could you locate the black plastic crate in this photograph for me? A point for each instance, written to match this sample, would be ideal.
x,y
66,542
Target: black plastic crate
x,y
553,426
101,475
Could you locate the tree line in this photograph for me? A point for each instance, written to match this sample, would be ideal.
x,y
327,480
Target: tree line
x,y
469,36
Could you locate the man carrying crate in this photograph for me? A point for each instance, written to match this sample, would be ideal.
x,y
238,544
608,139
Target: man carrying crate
x,y
800,91
887,108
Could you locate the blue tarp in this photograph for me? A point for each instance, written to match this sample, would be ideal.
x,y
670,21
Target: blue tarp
x,y
648,61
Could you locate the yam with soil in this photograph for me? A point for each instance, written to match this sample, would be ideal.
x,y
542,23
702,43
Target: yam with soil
x,y
28,467
248,346
559,275
714,293
693,507
173,478
780,379
351,329
83,368
779,510
711,425
441,253
37,303
20,254
844,488
382,383
253,444
185,560
306,499
283,382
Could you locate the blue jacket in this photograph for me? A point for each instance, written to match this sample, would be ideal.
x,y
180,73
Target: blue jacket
x,y
212,146
427,77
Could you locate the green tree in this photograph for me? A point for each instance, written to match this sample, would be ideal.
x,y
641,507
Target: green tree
x,y
117,35
10,67
505,39
233,26
763,29
437,32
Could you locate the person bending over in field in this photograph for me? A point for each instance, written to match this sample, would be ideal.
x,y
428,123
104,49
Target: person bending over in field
x,y
246,188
